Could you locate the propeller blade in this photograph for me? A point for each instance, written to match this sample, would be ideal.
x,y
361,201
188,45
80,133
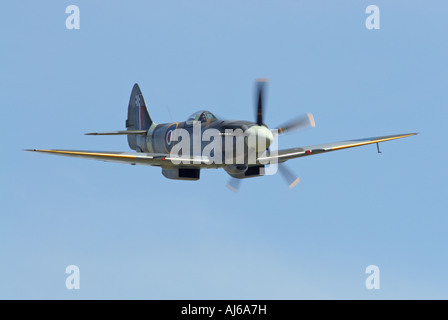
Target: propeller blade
x,y
234,184
299,123
288,175
261,84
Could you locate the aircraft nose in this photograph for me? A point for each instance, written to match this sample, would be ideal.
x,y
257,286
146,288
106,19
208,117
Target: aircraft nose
x,y
259,138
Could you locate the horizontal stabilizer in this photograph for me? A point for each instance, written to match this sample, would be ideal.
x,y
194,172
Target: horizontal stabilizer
x,y
113,133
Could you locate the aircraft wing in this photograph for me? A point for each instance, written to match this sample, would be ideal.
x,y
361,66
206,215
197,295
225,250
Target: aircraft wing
x,y
149,159
287,154
159,159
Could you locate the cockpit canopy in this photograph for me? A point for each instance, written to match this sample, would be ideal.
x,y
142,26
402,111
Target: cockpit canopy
x,y
202,116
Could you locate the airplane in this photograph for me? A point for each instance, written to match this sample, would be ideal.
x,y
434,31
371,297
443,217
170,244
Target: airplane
x,y
153,143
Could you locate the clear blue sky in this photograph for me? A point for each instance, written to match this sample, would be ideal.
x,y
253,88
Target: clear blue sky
x,y
135,234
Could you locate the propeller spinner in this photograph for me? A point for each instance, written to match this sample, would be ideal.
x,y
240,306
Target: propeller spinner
x,y
261,131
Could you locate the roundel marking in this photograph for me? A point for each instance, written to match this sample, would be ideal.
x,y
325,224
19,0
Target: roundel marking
x,y
169,134
168,137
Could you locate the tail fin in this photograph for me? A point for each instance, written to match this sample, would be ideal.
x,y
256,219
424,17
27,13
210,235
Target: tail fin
x,y
138,119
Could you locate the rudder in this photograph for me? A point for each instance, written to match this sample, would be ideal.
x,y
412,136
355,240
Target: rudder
x,y
138,118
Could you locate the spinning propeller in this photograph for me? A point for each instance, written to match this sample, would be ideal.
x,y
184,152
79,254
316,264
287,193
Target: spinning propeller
x,y
295,124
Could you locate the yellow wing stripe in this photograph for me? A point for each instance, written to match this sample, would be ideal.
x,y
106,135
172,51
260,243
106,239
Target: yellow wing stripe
x,y
90,154
370,142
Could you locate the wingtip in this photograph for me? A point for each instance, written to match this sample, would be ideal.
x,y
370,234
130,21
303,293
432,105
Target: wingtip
x,y
405,135
410,134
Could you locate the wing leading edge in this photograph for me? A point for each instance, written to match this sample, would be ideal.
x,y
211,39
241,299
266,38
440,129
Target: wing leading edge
x,y
161,159
149,159
287,154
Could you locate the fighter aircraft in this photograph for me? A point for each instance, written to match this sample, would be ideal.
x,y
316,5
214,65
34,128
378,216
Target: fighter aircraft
x,y
153,143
